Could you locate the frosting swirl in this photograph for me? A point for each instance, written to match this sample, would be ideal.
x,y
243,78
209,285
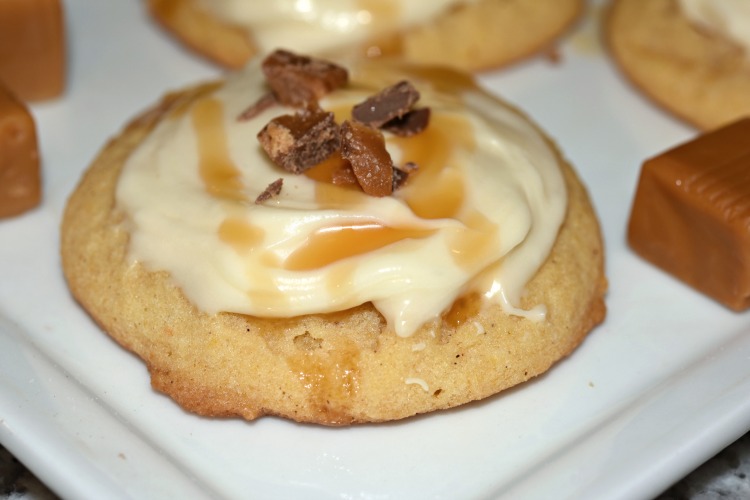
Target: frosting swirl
x,y
480,216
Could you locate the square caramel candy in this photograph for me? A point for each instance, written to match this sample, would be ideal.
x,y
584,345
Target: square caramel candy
x,y
32,48
691,214
20,184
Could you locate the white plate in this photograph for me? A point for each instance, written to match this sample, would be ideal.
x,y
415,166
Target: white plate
x,y
658,388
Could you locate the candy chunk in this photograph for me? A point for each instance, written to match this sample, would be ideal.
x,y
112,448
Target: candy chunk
x,y
20,186
297,142
32,48
300,80
364,147
691,214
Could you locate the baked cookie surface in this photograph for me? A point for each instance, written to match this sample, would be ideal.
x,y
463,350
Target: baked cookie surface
x,y
334,368
699,76
470,35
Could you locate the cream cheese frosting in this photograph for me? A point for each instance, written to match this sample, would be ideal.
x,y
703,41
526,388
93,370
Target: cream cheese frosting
x,y
319,26
729,18
480,215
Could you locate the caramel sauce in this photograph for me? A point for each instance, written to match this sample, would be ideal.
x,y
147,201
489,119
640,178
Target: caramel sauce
x,y
437,190
331,378
333,244
325,170
471,244
464,309
182,103
219,174
240,234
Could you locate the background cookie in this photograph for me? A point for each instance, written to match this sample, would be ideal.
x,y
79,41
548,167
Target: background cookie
x,y
700,77
471,36
336,368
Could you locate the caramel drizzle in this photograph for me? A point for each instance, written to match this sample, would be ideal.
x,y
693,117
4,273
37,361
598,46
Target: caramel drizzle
x,y
220,176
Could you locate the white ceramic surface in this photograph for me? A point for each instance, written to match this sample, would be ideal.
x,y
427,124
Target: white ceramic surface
x,y
658,388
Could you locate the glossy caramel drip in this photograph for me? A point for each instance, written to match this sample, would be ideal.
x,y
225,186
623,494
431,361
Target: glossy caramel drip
x,y
437,190
325,170
337,243
464,309
217,170
330,378
471,244
182,102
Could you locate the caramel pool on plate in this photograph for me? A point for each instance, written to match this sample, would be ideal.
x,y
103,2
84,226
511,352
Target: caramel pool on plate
x,y
691,213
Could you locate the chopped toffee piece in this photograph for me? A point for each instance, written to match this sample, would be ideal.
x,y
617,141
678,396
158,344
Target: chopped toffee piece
x,y
388,104
399,178
20,182
691,214
271,190
300,141
410,124
344,176
300,80
364,147
258,107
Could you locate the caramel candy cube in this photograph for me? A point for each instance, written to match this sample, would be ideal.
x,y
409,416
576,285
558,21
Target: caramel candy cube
x,y
691,214
32,48
20,185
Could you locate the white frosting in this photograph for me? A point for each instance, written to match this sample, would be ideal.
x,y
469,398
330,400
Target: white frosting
x,y
480,215
730,18
316,26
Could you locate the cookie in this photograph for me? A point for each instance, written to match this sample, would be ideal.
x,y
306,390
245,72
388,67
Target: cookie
x,y
699,75
250,287
470,35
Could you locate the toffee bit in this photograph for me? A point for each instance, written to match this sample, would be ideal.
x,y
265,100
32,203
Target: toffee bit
x,y
259,106
401,174
344,176
300,141
392,102
300,80
399,178
364,147
412,123
271,191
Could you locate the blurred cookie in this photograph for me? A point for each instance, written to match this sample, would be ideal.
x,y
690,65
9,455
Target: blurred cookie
x,y
692,67
466,34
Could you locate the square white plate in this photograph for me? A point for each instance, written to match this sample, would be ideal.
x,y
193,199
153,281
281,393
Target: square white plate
x,y
662,385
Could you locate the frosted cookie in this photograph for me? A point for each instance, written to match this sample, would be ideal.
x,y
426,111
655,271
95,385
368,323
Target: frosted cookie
x,y
466,34
335,246
691,57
